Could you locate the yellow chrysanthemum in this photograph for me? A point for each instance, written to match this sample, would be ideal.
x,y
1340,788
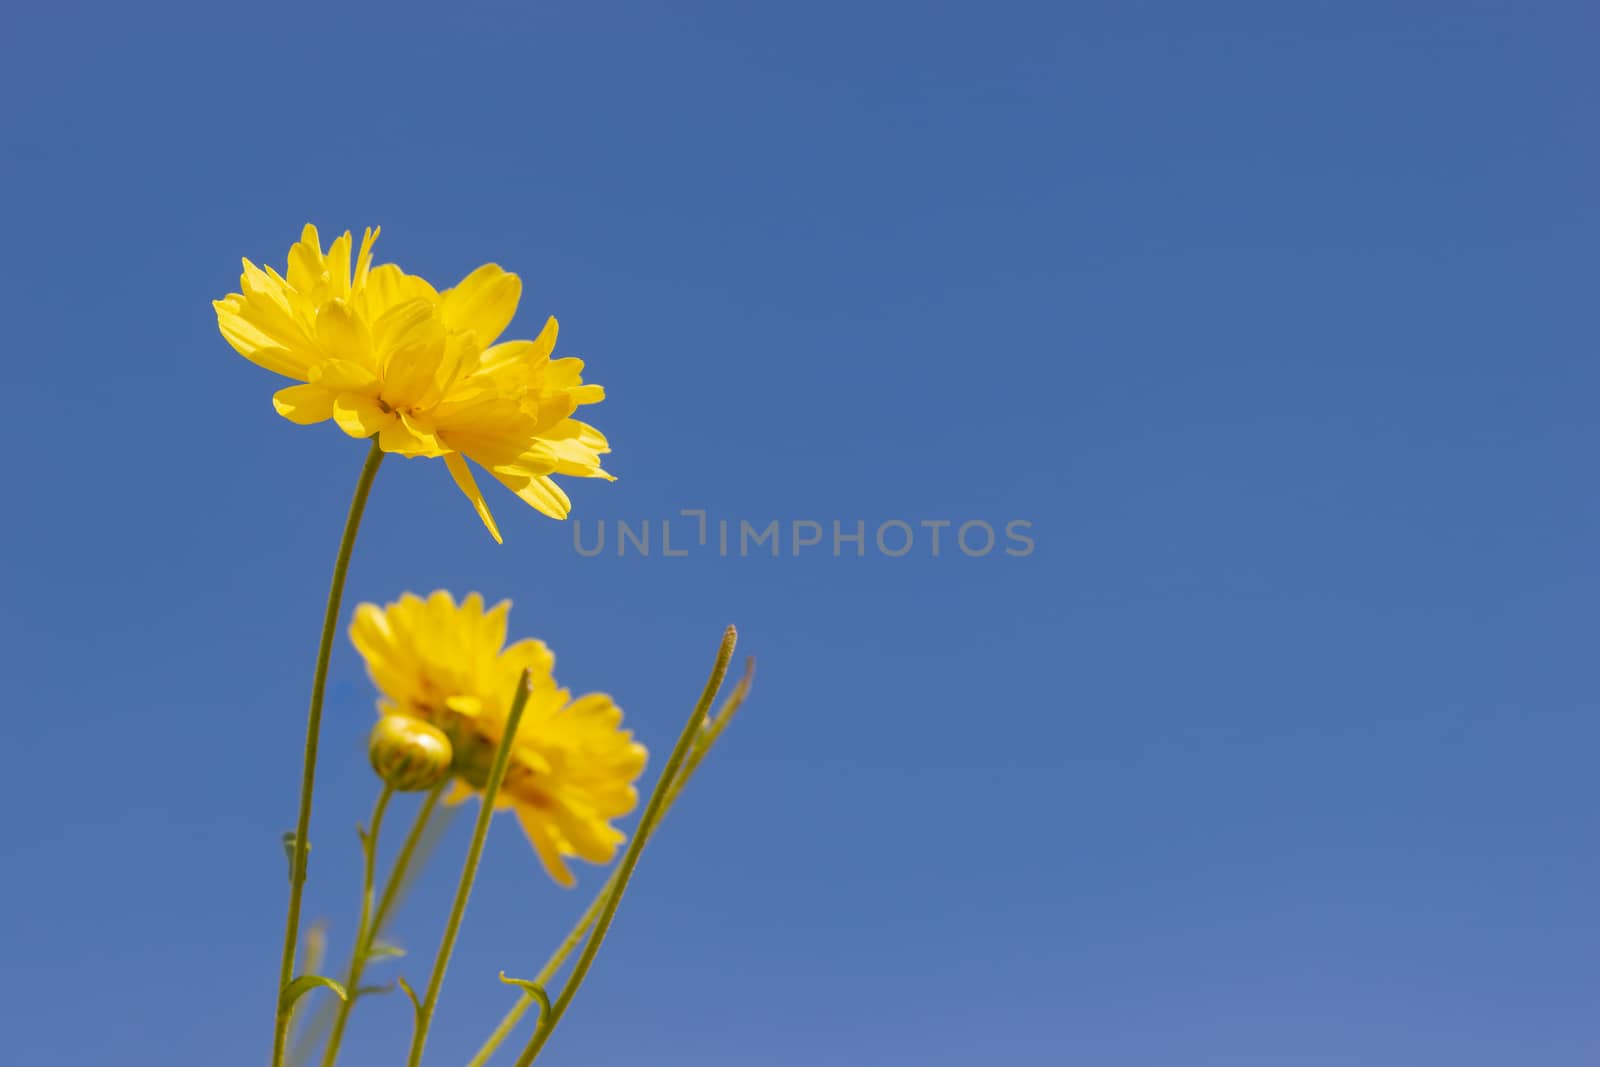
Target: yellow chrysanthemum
x,y
572,766
381,352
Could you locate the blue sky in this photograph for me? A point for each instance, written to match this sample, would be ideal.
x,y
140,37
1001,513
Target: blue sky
x,y
1275,322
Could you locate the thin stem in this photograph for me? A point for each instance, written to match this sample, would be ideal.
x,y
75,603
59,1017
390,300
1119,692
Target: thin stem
x,y
371,849
469,872
319,682
367,928
647,822
711,733
413,850
708,737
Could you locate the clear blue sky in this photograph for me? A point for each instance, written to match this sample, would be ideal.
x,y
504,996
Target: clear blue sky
x,y
1276,321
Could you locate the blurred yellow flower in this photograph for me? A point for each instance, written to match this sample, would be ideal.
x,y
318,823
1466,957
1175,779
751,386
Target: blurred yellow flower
x,y
572,766
381,352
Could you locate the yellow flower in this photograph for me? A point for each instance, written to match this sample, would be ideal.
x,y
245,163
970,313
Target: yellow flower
x,y
381,352
572,766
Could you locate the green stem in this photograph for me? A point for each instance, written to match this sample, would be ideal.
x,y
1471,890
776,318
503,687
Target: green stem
x,y
703,743
319,682
652,813
469,872
367,928
371,850
413,850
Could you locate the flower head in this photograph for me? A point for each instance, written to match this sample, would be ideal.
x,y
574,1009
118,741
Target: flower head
x,y
572,766
381,352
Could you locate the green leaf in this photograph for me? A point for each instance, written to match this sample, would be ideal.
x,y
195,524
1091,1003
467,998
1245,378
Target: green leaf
x,y
383,950
305,984
405,987
374,990
534,990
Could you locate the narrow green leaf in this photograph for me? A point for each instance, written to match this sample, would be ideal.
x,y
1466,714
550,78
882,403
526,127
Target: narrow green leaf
x,y
382,950
373,990
405,987
305,984
534,990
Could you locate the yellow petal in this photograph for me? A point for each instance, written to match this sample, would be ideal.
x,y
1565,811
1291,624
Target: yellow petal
x,y
282,361
459,354
457,465
341,334
344,376
407,436
598,706
483,303
257,347
552,409
538,491
590,836
535,657
474,406
545,343
406,323
578,448
265,287
338,266
543,841
503,355
369,630
528,756
494,625
563,373
364,260
305,260
388,287
526,353
360,416
261,326
588,436
304,404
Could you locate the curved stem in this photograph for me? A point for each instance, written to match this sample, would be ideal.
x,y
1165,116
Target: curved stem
x,y
708,737
371,923
652,813
371,849
469,872
319,682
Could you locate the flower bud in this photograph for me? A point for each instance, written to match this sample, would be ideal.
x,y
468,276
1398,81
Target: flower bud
x,y
408,753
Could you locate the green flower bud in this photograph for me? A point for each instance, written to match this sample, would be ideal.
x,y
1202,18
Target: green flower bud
x,y
408,753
